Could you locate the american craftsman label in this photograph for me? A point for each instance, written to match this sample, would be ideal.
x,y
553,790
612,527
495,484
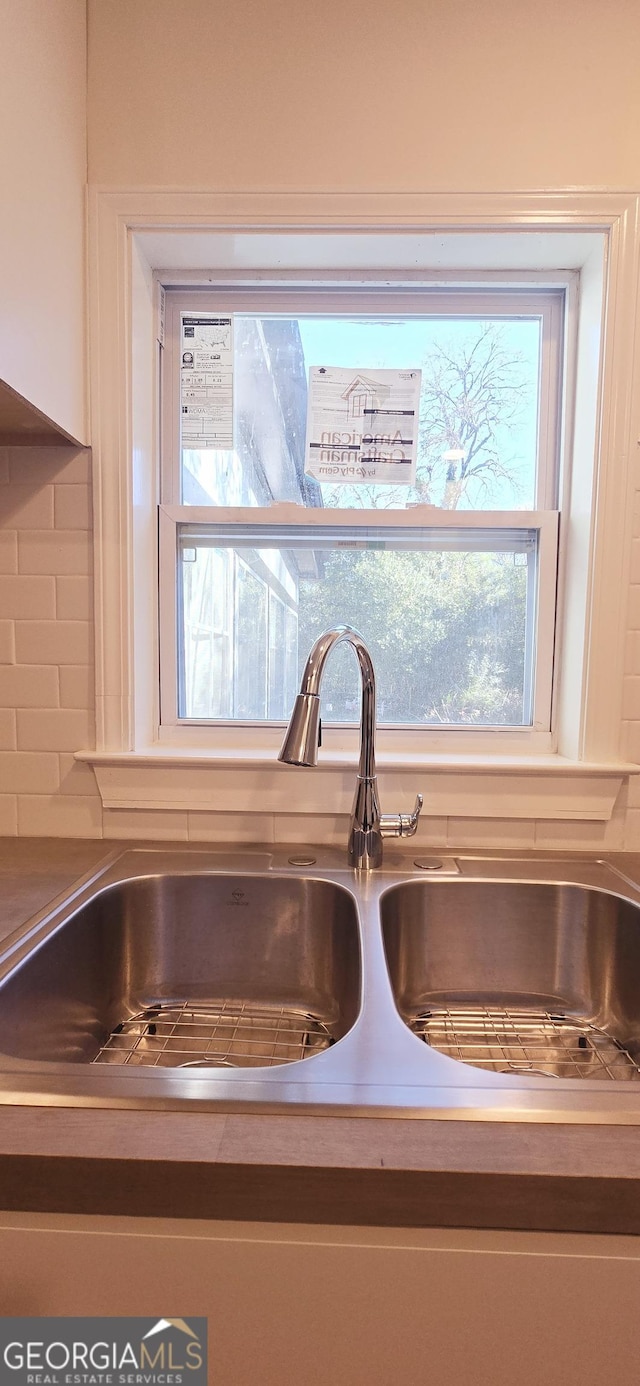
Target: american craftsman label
x,y
362,426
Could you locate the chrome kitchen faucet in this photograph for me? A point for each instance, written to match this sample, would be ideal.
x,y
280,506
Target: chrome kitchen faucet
x,y
300,747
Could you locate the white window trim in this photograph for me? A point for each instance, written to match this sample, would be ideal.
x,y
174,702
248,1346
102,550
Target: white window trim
x,y
582,779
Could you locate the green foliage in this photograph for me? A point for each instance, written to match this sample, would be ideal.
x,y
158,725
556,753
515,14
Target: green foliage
x,y
446,631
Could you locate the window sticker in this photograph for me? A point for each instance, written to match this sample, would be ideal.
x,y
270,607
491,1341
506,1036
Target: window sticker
x,y
362,426
206,382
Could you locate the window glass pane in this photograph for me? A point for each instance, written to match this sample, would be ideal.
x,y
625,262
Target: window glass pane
x,y
206,638
447,617
479,410
249,694
277,706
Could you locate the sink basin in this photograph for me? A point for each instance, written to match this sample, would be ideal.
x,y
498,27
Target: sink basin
x,y
536,979
195,979
195,971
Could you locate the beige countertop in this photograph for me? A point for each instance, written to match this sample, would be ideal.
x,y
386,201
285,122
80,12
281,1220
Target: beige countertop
x,y
33,871
347,1170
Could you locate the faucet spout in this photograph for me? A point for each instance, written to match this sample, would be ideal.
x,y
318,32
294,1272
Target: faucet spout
x,y
300,747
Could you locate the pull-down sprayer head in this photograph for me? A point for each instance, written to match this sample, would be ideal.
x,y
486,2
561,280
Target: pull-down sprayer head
x,y
300,745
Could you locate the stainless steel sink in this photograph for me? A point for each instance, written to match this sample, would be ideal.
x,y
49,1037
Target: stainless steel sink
x,y
495,990
190,971
534,979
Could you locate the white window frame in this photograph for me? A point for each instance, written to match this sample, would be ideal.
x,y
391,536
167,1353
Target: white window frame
x,y
134,233
492,300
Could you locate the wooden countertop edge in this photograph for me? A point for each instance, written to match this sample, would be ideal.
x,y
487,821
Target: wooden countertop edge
x,y
346,1197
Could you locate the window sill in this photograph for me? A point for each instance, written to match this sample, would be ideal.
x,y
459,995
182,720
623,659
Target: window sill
x,y
469,785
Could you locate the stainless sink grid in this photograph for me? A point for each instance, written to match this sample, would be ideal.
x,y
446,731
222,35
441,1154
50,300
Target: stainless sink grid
x,y
522,1040
214,1034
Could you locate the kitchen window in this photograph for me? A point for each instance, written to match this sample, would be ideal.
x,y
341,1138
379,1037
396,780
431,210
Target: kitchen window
x,y
451,576
206,247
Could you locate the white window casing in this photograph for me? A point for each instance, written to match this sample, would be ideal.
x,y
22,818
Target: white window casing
x,y
488,774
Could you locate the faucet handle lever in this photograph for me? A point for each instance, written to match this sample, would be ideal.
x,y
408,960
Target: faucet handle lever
x,y
401,824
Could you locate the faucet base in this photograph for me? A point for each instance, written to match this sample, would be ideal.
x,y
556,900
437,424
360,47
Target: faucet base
x,y
365,839
365,849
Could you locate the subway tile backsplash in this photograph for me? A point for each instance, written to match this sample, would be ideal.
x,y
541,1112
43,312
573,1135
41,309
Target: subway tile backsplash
x,y
47,699
46,643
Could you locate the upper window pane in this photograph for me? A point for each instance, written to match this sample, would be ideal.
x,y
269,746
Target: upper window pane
x,y
479,410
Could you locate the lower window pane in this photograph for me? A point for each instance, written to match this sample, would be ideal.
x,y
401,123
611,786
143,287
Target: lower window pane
x,y
249,692
450,629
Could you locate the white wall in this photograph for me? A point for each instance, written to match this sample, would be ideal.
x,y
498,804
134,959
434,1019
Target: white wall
x,y
364,95
42,209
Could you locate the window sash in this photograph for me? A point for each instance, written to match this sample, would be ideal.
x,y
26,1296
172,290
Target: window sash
x,y
464,530
417,301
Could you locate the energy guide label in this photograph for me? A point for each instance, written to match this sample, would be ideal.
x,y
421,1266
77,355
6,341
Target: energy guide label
x,y
206,382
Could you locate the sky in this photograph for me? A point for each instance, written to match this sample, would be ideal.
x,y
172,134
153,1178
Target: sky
x,y
405,344
365,344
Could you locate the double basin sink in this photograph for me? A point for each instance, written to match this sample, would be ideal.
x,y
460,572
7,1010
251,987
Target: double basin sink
x,y
485,989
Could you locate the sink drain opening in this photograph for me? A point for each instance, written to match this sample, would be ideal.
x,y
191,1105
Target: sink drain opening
x,y
524,1041
214,1034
